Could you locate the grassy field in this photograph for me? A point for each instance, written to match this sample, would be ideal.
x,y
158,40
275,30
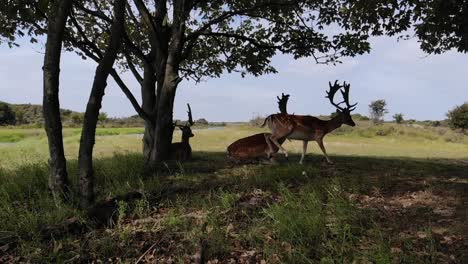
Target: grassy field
x,y
396,194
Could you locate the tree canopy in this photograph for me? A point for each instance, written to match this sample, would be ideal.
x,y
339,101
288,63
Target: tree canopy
x,y
458,117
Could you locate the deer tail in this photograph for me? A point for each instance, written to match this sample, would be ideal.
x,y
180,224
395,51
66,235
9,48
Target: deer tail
x,y
267,119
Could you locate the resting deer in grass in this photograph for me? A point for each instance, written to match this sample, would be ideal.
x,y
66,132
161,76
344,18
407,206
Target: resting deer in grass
x,y
253,147
182,150
310,128
257,146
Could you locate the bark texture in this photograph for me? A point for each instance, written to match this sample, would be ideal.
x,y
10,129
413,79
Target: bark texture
x,y
58,178
148,104
85,158
168,80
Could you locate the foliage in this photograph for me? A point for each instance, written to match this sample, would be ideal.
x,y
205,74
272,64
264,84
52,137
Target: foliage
x,y
438,24
201,121
435,123
77,118
398,117
7,116
458,117
377,110
102,117
359,117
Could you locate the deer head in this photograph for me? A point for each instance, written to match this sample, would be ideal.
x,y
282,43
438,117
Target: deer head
x,y
344,113
186,129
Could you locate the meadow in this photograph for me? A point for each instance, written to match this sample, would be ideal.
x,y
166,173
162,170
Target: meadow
x,y
396,194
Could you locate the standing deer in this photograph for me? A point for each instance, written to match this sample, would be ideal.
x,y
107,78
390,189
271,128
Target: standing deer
x,y
182,150
310,128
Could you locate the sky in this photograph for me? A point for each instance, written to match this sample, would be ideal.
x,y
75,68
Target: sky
x,y
421,86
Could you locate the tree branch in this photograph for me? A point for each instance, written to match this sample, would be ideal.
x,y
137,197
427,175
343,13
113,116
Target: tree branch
x,y
130,96
133,68
244,38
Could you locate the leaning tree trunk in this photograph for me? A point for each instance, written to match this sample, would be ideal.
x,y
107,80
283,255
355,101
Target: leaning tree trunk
x,y
58,178
164,128
148,105
164,125
85,158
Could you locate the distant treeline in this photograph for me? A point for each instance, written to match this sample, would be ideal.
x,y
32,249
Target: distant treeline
x,y
31,115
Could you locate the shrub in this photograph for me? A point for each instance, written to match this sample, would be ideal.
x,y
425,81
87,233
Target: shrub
x,y
435,123
102,117
458,117
77,118
360,117
398,118
7,116
201,121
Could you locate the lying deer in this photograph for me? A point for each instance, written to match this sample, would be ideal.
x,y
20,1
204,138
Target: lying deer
x,y
182,150
252,147
310,128
258,145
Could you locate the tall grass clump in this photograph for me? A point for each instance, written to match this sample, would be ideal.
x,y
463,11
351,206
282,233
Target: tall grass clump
x,y
317,223
26,205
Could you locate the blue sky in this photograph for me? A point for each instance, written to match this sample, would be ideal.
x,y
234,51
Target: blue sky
x,y
418,85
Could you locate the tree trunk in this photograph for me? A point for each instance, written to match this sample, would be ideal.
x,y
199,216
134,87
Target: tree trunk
x,y
164,125
58,178
85,158
166,69
148,105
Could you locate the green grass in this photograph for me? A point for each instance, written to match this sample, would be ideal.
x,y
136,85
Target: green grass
x,y
389,198
28,146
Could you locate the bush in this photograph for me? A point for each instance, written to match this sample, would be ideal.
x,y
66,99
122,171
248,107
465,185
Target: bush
x,y
77,118
398,118
201,121
453,137
7,116
458,117
102,117
360,117
435,123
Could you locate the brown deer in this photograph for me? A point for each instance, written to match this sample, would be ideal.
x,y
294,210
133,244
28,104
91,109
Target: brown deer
x,y
182,150
258,145
310,128
253,147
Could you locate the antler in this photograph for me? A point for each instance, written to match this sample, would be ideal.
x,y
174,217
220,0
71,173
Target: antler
x,y
283,102
190,119
332,92
345,94
189,112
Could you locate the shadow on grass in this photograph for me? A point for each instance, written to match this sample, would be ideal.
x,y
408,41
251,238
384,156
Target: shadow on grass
x,y
125,172
404,193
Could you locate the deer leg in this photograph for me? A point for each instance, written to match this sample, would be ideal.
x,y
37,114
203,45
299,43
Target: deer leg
x,y
270,151
322,147
275,141
304,150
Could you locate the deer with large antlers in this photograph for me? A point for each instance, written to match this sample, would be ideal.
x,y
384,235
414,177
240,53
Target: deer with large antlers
x,y
310,128
182,150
